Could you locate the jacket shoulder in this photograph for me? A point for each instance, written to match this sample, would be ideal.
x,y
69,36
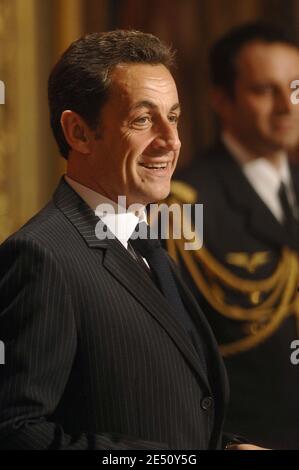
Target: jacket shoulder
x,y
47,228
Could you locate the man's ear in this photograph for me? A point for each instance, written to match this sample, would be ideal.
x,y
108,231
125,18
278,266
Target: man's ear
x,y
76,132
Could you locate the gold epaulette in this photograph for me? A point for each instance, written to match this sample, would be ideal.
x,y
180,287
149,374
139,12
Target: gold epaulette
x,y
272,299
183,192
263,318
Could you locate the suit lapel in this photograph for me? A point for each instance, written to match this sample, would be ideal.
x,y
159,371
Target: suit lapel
x,y
295,180
241,195
132,276
78,213
127,271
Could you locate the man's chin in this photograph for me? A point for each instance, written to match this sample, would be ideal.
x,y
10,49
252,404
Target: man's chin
x,y
284,140
289,143
161,194
153,194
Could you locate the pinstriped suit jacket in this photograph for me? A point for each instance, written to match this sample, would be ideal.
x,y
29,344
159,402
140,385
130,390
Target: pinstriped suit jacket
x,y
95,358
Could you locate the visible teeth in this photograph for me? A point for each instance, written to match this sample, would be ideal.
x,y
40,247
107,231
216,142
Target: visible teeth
x,y
155,165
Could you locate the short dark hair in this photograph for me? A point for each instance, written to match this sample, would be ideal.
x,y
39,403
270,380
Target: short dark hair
x,y
80,79
224,52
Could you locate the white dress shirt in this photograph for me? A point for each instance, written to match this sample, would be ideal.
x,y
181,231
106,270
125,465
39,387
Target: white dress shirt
x,y
263,176
120,221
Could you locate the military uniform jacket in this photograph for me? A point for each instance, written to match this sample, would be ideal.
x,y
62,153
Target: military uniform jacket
x,y
246,277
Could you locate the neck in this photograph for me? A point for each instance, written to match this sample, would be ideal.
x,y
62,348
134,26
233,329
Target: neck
x,y
78,169
274,159
252,152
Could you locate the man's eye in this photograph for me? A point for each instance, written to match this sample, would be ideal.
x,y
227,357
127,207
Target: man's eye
x,y
173,118
142,120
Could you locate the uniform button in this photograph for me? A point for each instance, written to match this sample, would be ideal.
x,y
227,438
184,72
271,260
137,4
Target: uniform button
x,y
207,403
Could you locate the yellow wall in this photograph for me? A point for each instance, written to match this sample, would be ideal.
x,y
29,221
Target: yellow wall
x,y
32,35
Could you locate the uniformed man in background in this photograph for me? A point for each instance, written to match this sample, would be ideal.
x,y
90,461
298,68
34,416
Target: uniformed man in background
x,y
248,269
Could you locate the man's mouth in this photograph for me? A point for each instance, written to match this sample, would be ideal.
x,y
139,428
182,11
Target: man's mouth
x,y
155,166
283,123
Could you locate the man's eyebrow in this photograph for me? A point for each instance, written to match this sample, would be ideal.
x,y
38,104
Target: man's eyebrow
x,y
176,107
151,105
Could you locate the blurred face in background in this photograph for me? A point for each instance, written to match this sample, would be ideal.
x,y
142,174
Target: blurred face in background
x,y
260,114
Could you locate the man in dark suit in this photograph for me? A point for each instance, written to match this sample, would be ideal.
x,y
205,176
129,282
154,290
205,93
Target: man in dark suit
x,y
97,354
247,272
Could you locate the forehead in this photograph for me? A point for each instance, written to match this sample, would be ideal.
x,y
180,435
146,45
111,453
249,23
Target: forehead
x,y
135,82
263,61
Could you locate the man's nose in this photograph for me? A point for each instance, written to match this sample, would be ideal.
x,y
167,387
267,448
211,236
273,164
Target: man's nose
x,y
167,138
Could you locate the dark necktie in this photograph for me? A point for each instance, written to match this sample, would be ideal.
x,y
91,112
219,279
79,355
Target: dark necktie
x,y
290,223
285,204
159,263
137,256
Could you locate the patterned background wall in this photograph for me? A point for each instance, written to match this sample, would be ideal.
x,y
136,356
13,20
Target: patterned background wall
x,y
34,32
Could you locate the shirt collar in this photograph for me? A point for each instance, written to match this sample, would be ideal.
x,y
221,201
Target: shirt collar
x,y
255,168
120,221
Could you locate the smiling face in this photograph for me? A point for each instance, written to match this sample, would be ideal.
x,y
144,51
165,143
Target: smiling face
x,y
260,114
137,148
